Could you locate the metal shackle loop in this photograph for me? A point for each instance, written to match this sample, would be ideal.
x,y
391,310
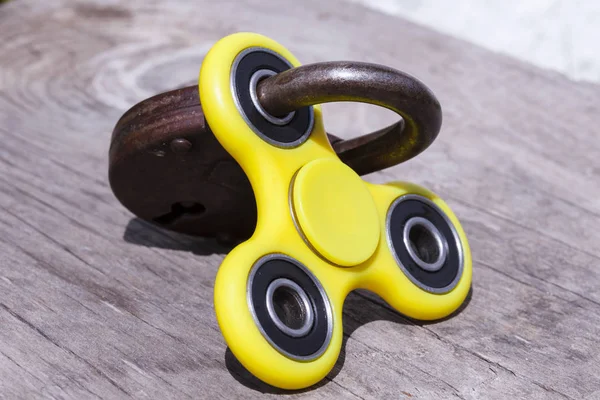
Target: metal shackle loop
x,y
375,84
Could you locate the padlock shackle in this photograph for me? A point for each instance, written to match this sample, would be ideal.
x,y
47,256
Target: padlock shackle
x,y
337,81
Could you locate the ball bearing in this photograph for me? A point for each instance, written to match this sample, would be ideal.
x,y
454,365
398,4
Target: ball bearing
x,y
290,307
424,243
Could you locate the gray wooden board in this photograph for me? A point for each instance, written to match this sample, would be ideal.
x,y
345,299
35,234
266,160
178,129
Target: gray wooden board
x,y
97,304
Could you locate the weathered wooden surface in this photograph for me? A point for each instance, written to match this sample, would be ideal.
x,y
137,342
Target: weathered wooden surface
x,y
96,304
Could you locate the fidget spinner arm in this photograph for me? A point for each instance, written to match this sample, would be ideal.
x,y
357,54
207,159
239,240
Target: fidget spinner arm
x,y
321,230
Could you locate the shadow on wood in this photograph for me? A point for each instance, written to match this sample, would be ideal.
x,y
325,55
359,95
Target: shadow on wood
x,y
459,310
142,233
360,308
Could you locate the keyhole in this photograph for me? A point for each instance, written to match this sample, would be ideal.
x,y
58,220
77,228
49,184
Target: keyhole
x,y
178,210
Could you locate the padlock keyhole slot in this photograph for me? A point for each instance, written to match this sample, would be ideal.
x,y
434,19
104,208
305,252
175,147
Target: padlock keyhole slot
x,y
179,210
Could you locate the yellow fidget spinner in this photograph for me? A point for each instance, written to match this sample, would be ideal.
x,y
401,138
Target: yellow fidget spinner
x,y
321,231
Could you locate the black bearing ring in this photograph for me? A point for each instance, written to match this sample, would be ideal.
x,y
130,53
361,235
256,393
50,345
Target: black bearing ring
x,y
249,67
307,341
442,267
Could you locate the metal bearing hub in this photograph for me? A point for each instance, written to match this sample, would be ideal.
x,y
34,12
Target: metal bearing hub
x,y
290,307
424,243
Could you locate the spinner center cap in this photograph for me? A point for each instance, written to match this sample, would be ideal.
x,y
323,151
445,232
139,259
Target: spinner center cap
x,y
334,212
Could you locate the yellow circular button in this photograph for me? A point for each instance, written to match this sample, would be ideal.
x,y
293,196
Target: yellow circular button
x,y
335,212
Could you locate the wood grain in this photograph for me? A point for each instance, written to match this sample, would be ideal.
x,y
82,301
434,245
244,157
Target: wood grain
x,y
97,304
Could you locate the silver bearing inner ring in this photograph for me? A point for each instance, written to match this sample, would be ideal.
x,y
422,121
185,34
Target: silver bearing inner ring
x,y
425,244
256,77
285,299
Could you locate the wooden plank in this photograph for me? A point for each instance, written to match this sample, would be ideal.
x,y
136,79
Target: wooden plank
x,y
97,304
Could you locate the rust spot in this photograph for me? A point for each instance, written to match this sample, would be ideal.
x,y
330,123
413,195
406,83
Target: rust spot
x,y
407,394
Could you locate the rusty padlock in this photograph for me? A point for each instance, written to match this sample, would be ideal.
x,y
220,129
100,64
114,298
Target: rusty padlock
x,y
167,167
